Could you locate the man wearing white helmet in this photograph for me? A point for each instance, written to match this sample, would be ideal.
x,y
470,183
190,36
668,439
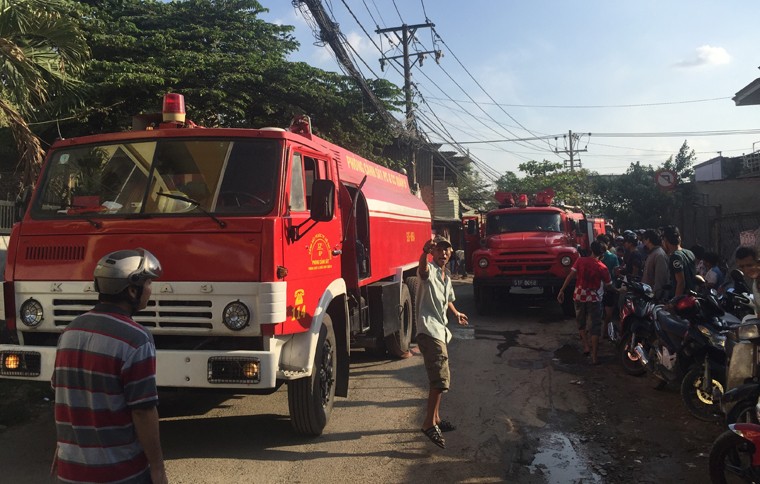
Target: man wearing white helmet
x,y
105,381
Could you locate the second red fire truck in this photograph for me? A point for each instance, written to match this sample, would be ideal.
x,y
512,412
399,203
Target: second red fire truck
x,y
526,244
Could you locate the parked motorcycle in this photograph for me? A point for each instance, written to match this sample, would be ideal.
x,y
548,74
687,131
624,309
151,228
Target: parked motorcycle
x,y
737,298
743,375
706,380
636,325
736,454
689,346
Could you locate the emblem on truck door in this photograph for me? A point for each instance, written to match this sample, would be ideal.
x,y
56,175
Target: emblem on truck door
x,y
299,308
320,253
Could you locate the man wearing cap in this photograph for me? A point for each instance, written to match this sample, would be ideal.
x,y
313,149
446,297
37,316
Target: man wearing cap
x,y
435,295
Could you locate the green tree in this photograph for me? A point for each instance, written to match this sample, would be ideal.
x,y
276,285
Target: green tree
x,y
41,51
229,64
474,191
633,199
571,187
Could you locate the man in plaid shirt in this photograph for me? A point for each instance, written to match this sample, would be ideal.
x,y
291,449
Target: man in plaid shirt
x,y
591,275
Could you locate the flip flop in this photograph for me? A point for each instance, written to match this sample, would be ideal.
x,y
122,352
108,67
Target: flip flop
x,y
446,426
434,434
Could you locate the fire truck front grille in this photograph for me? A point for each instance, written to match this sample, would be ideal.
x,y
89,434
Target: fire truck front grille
x,y
525,262
46,253
174,314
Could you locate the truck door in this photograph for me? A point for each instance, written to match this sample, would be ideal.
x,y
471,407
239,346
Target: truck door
x,y
310,247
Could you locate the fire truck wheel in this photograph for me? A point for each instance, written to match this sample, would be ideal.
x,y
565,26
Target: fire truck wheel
x,y
413,283
483,299
398,342
311,399
568,306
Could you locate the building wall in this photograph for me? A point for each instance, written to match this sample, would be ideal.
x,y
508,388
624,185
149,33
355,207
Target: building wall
x,y
720,212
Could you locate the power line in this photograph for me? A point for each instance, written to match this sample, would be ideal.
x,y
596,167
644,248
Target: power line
x,y
595,106
670,134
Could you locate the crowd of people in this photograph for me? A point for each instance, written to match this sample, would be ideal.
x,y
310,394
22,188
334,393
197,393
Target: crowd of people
x,y
654,257
657,258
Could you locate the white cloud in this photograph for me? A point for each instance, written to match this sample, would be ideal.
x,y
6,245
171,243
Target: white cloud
x,y
707,55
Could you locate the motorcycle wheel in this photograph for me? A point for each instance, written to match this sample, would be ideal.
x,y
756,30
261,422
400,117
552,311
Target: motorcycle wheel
x,y
731,459
743,412
700,403
631,362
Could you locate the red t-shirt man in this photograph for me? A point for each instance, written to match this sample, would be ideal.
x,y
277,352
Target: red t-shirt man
x,y
591,275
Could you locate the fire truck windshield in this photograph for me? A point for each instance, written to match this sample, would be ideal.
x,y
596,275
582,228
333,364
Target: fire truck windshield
x,y
503,223
223,176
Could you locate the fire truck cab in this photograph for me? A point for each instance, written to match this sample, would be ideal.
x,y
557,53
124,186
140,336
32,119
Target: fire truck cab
x,y
527,244
280,252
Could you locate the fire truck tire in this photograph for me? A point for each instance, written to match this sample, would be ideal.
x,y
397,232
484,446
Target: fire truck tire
x,y
483,299
568,306
413,283
398,343
311,399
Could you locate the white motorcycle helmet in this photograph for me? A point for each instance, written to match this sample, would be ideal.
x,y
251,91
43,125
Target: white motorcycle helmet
x,y
123,268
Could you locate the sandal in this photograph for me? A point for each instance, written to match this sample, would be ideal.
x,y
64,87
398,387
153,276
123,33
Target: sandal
x,y
434,434
446,426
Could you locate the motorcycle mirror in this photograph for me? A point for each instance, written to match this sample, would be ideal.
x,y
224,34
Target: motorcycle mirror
x,y
737,275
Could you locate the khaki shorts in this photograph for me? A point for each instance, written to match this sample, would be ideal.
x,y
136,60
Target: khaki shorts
x,y
588,315
436,358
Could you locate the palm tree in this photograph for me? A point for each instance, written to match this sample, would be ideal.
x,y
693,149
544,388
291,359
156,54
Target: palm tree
x,y
41,53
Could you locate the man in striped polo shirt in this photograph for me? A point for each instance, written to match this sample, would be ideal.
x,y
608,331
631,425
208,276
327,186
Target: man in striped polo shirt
x,y
105,381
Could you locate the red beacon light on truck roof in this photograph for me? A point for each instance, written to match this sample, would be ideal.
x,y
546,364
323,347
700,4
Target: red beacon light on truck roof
x,y
544,198
505,199
174,108
522,200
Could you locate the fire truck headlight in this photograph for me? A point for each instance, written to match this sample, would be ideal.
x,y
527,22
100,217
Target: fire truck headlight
x,y
566,260
236,316
31,313
483,263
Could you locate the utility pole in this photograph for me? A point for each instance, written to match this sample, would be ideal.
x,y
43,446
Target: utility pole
x,y
571,150
330,34
406,36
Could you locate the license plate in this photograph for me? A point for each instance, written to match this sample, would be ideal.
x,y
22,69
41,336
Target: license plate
x,y
524,282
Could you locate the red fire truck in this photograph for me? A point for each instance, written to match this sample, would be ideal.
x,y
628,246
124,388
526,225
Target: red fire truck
x,y
527,244
280,251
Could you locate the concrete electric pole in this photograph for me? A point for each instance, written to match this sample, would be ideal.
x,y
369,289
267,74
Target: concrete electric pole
x,y
405,34
571,150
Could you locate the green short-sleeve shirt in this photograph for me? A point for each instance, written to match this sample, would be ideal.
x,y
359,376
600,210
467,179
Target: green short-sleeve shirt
x,y
433,298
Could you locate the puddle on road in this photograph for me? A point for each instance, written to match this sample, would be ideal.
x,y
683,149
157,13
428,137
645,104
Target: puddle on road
x,y
462,332
560,462
569,355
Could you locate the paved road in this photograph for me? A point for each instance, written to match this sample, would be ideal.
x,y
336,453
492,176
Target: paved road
x,y
506,393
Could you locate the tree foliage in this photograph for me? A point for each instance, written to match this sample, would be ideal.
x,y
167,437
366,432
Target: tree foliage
x,y
571,187
631,200
230,65
42,51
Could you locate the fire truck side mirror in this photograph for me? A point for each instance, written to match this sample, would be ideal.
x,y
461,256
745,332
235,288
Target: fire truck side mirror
x,y
322,200
472,227
22,203
582,227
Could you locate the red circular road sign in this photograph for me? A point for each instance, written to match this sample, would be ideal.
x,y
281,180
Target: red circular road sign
x,y
666,179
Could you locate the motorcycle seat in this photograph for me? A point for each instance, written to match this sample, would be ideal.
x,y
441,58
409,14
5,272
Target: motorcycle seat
x,y
672,323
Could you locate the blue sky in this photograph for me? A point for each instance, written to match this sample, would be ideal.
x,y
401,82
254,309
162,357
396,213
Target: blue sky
x,y
612,69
